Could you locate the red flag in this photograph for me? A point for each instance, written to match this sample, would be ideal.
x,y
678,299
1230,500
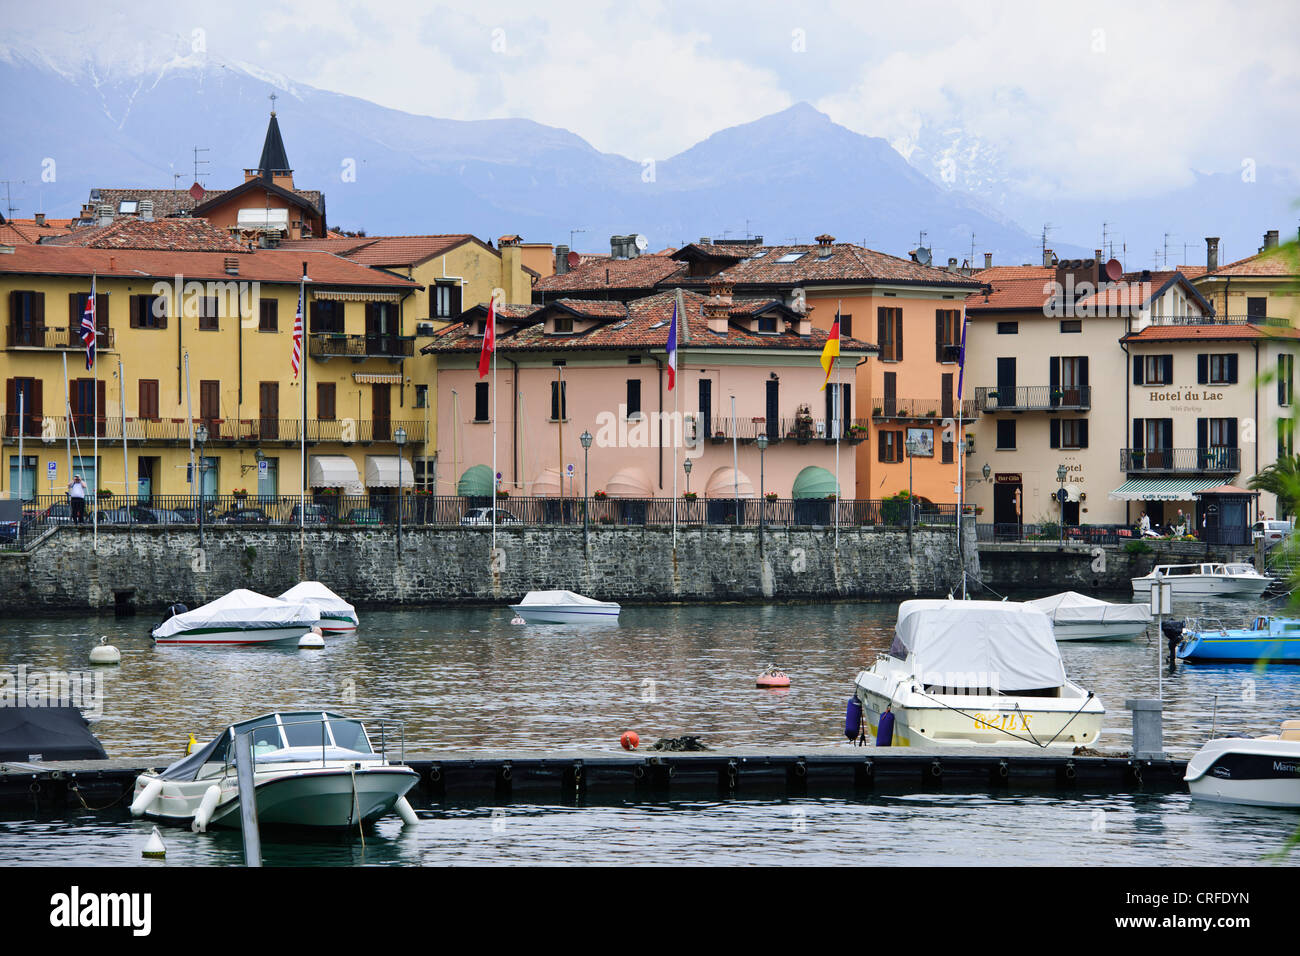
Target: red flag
x,y
489,340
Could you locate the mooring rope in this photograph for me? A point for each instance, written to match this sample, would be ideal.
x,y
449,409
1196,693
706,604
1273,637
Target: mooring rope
x,y
1031,739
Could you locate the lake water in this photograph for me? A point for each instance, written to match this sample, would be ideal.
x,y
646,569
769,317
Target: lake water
x,y
470,680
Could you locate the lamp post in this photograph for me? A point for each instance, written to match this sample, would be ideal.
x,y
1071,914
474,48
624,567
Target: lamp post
x,y
585,438
201,436
399,436
1060,497
986,471
686,466
761,442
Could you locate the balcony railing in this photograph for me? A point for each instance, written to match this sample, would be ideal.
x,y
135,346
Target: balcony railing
x,y
56,337
922,409
1268,320
327,345
1034,398
221,431
798,429
1146,461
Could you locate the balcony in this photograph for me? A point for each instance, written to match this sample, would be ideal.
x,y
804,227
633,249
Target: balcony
x,y
801,429
1273,321
1034,398
221,431
1180,461
55,337
327,345
922,410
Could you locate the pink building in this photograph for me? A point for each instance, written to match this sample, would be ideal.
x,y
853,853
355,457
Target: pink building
x,y
574,366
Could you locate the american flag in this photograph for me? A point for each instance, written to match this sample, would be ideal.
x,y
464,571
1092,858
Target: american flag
x,y
297,336
88,326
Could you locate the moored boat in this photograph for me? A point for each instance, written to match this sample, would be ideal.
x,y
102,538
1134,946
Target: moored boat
x,y
1259,771
240,617
564,607
982,673
1077,617
1235,579
1275,640
337,616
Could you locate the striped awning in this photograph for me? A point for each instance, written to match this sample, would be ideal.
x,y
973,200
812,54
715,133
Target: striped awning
x,y
332,295
1162,489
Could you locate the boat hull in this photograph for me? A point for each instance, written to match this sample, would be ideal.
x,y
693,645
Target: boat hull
x,y
1124,631
1228,647
262,635
566,615
1200,585
337,625
1258,772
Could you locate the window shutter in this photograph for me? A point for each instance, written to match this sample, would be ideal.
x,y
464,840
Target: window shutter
x,y
135,311
455,300
1232,369
1232,428
38,309
100,408
11,401
882,334
1137,370
938,336
74,313
1139,433
898,337
1168,362
1083,433
1054,372
1202,433
830,409
101,310
1202,368
35,411
1083,371
880,436
1055,427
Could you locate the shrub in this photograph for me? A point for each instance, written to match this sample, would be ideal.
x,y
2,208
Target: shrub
x,y
1137,547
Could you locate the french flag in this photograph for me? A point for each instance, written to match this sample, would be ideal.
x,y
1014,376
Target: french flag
x,y
672,350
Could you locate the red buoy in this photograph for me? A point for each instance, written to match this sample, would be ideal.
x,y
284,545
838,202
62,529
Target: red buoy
x,y
629,740
773,678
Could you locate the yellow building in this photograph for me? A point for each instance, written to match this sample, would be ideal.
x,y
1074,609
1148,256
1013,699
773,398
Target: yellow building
x,y
189,339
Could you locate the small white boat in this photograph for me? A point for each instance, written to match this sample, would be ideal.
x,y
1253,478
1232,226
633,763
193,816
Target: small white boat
x,y
1193,580
337,616
564,607
1260,771
240,617
1077,617
312,768
983,673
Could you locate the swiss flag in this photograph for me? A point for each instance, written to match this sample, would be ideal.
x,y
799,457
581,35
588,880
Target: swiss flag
x,y
489,341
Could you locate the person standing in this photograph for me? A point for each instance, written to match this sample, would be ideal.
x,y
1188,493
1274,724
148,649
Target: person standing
x,y
77,499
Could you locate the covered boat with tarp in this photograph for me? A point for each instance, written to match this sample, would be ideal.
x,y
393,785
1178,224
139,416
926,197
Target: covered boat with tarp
x,y
564,607
336,615
37,734
240,617
1077,617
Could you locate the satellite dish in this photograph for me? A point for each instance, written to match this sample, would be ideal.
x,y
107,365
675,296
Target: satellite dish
x,y
1114,271
923,256
197,192
641,242
574,260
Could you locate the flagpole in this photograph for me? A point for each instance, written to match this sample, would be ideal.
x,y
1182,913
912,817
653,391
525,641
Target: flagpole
x,y
67,408
961,448
302,432
492,320
676,430
94,365
839,413
121,401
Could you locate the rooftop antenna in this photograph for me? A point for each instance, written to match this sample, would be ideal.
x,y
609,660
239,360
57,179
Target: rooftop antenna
x,y
9,203
572,233
1106,243
200,162
970,263
1166,258
1047,228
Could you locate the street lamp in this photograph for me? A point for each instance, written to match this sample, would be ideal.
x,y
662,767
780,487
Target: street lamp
x,y
201,436
761,442
686,466
399,436
1060,496
986,471
585,438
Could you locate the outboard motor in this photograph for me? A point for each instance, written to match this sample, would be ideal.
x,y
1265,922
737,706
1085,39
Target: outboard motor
x,y
1173,631
885,735
853,718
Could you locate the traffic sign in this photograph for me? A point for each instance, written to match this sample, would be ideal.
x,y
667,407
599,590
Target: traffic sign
x,y
52,470
263,470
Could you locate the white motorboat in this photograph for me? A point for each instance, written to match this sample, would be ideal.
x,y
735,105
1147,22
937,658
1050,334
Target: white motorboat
x,y
1193,580
1260,771
564,607
240,617
982,673
1077,617
312,768
337,616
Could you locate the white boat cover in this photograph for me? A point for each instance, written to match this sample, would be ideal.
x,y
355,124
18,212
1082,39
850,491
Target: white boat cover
x,y
978,644
240,610
559,599
1070,607
320,597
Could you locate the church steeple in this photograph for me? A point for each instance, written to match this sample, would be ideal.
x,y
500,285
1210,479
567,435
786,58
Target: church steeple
x,y
274,162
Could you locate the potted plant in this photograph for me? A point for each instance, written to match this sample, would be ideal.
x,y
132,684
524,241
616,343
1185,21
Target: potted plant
x,y
502,493
600,495
771,496
240,494
689,496
803,423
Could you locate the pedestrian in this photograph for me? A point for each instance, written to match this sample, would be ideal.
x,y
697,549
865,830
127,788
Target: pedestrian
x,y
77,499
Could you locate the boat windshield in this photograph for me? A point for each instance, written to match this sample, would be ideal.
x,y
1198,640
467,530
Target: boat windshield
x,y
1239,568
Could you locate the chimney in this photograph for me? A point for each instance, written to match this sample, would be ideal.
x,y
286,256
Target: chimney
x,y
105,214
617,247
952,263
1212,253
717,307
1047,258
824,243
705,241
1270,239
87,210
561,260
232,266
988,260
146,210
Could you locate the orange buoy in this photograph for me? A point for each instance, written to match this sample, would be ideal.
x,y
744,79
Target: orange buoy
x,y
629,740
773,677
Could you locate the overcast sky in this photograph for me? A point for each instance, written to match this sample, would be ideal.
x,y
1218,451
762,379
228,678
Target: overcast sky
x,y
1078,99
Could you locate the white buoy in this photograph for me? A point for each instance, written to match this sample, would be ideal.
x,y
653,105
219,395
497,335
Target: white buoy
x,y
311,642
403,808
203,815
517,620
105,653
146,798
155,847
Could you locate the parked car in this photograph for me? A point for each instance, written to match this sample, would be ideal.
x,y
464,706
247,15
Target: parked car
x,y
1271,532
364,516
316,514
483,516
130,514
58,513
244,516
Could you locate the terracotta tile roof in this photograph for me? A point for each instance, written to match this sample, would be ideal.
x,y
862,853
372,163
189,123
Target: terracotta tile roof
x,y
22,232
1009,294
603,272
1218,331
641,323
388,250
594,308
844,263
1003,273
264,265
1272,264
1192,272
181,235
516,312
339,245
174,202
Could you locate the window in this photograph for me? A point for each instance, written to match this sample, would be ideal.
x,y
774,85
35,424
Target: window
x,y
268,316
208,320
1006,434
325,401
1257,307
633,398
77,309
1285,379
446,300
559,405
563,325
846,326
1008,328
890,446
1285,437
947,335
1215,369
148,312
1069,433
1153,369
128,207
422,396
22,476
25,392
889,334
1222,432
792,257
481,401
1072,325
148,405
767,323
325,317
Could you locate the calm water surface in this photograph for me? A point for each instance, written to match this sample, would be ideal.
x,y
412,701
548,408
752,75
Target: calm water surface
x,y
470,680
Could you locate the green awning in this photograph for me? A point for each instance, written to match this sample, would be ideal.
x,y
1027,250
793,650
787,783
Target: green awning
x,y
814,482
1162,489
476,482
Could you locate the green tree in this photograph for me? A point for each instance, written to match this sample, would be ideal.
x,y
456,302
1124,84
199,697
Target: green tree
x,y
1282,479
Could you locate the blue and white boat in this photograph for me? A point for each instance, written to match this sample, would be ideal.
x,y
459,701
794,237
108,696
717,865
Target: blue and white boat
x,y
1270,639
564,607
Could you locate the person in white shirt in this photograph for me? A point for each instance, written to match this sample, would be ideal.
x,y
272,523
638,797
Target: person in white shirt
x,y
1144,527
77,498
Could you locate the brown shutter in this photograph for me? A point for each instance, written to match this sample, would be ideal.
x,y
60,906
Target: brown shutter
x,y
38,311
11,403
99,409
898,335
938,335
74,314
133,311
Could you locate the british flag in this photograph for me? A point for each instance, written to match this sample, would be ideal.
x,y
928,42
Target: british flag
x,y
88,327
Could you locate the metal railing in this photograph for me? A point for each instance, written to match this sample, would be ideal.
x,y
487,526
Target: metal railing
x,y
56,337
923,409
802,428
1274,321
1034,398
1048,531
335,344
220,430
1180,460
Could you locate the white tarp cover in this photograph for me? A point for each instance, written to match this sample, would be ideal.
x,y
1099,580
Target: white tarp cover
x,y
1070,607
321,598
978,644
553,598
243,610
